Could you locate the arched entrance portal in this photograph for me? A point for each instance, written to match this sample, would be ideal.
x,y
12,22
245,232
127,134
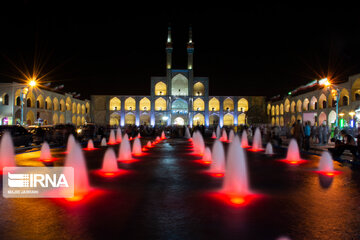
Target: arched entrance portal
x,y
179,121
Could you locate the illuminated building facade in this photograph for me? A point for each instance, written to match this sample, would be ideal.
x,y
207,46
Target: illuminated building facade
x,y
179,98
317,103
41,106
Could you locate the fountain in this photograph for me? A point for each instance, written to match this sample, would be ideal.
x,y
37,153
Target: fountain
x,y
199,145
218,132
75,159
224,137
125,149
293,154
139,135
45,154
157,139
213,136
7,156
187,133
70,143
217,167
244,139
269,149
148,145
90,146
163,135
112,140
118,135
207,156
236,183
326,165
109,165
103,142
257,143
136,148
231,135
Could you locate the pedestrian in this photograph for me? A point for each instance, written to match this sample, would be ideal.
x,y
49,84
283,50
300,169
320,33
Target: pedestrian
x,y
307,133
299,133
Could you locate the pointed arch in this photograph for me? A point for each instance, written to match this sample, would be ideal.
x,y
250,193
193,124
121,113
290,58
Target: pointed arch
x,y
214,104
160,104
242,119
277,110
62,119
115,104
40,102
344,97
145,104
55,119
199,89
287,105
130,119
68,104
299,106
228,104
62,105
179,85
306,103
30,118
199,105
243,105
322,101
228,119
281,109
56,104
114,119
48,103
198,119
160,89
130,104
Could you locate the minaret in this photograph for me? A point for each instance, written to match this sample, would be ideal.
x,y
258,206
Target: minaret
x,y
190,49
169,49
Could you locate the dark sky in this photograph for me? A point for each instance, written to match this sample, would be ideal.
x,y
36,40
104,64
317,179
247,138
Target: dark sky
x,y
244,50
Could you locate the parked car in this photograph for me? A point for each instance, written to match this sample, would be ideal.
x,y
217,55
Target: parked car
x,y
62,132
42,133
20,136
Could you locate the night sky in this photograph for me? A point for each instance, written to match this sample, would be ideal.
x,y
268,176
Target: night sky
x,y
245,50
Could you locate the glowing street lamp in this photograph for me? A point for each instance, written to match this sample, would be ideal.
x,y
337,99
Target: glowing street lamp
x,y
23,93
336,92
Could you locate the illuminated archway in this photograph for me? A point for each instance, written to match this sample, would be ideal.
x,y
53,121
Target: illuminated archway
x,y
78,121
269,109
179,105
114,119
313,103
48,103
30,118
322,118
292,108
214,119
144,119
198,119
277,121
344,97
214,104
273,121
130,104
332,118
74,108
82,110
199,105
115,104
179,121
277,110
68,104
242,119
228,119
160,104
228,104
272,110
179,85
78,110
281,109
322,101
287,105
293,120
299,106
30,99
355,90
82,120
160,89
56,104
145,104
198,89
130,119
282,123
40,102
306,104
243,105
62,119
87,105
62,105
55,119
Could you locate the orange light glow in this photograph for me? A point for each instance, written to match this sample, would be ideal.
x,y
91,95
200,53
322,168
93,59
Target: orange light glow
x,y
293,162
255,150
48,160
101,173
128,161
217,175
234,201
328,174
203,162
89,149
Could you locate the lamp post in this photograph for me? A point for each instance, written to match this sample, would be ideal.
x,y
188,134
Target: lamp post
x,y
336,92
23,93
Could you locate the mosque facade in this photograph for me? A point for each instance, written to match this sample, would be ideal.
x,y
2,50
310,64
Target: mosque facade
x,y
178,98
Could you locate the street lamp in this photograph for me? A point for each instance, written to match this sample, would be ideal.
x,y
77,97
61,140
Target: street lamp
x,y
336,92
23,93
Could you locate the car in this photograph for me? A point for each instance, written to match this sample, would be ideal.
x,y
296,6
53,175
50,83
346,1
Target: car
x,y
42,133
19,135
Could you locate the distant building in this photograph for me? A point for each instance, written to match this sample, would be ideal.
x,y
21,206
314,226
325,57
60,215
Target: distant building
x,y
41,106
178,98
317,104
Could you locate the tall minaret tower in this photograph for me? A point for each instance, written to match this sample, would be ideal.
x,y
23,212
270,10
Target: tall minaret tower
x,y
169,49
190,49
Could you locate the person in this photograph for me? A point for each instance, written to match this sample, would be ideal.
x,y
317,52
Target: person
x,y
307,133
299,133
347,143
325,132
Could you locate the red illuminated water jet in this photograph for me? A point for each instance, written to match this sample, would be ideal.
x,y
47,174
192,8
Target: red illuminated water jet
x,y
90,146
326,165
112,139
293,154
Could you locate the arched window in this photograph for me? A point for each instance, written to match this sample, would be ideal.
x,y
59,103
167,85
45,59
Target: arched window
x,y
199,89
6,99
214,104
198,105
115,104
28,102
160,89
